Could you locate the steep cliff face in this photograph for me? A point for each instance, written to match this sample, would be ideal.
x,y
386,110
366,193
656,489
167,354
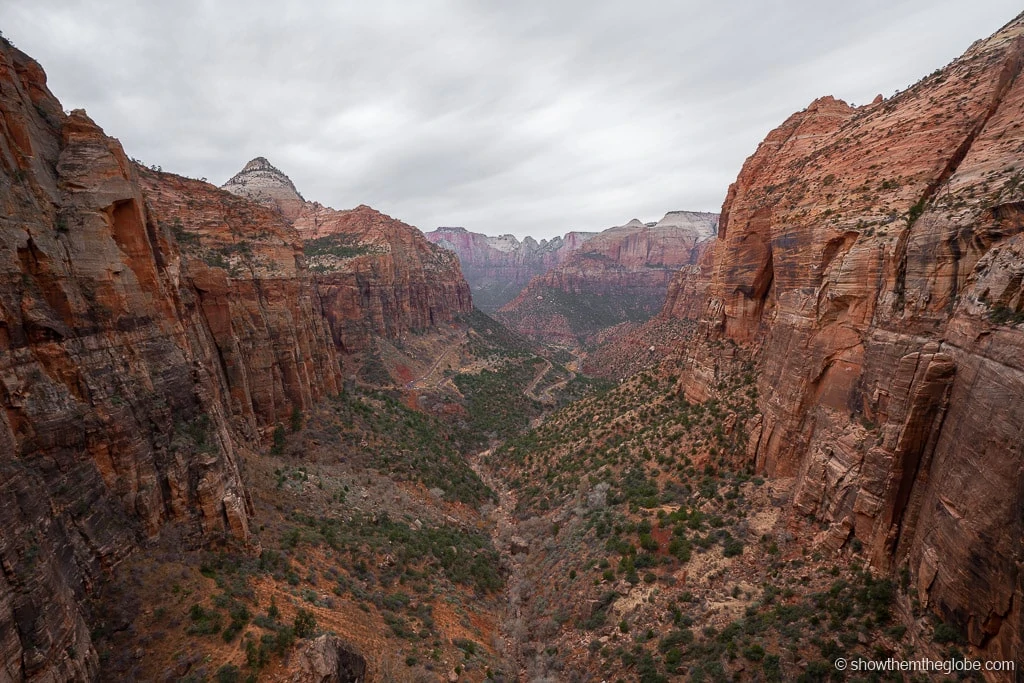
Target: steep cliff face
x,y
684,299
376,275
118,378
245,281
379,276
870,259
622,274
497,268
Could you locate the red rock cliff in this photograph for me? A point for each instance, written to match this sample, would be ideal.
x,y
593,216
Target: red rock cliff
x,y
497,268
122,363
249,286
376,275
872,259
622,274
379,276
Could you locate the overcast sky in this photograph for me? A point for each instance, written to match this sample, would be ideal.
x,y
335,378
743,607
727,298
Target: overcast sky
x,y
523,117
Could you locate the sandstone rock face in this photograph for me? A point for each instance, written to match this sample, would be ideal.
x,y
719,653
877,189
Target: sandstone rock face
x,y
130,372
871,260
261,182
620,275
326,659
379,276
375,275
244,279
497,268
684,299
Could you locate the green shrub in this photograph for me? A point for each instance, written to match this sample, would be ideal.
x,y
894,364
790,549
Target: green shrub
x,y
229,673
277,448
947,633
305,624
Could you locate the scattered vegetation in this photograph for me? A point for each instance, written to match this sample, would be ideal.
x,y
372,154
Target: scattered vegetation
x,y
406,444
496,404
339,245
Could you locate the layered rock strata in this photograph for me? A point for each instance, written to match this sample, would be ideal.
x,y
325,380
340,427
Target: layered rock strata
x,y
377,276
130,372
262,182
871,261
497,268
248,284
620,275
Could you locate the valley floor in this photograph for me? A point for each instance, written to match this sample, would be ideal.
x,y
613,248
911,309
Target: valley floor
x,y
490,514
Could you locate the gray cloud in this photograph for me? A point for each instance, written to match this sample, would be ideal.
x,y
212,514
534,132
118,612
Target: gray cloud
x,y
527,117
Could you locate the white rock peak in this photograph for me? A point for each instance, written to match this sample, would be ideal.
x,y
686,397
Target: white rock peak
x,y
704,224
261,181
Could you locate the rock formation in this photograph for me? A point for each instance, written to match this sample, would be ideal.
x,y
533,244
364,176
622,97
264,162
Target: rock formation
x,y
326,659
262,182
253,293
132,371
622,274
376,275
870,260
497,268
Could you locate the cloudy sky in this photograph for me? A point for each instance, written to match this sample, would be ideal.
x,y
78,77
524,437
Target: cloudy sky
x,y
529,117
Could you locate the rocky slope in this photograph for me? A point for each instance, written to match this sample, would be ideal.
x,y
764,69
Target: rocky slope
x,y
133,374
871,260
620,275
377,275
497,268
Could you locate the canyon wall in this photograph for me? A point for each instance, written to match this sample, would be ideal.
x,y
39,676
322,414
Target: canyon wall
x,y
132,372
249,286
871,260
620,275
377,276
497,268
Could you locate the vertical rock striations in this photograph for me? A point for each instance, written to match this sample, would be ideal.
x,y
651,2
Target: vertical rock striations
x,y
379,276
247,284
871,259
148,327
375,274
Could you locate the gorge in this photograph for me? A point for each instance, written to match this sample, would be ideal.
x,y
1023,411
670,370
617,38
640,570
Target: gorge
x,y
248,435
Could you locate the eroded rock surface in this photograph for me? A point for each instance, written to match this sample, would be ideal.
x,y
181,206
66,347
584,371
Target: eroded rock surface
x,y
131,371
375,274
262,182
326,659
870,258
379,276
620,275
497,268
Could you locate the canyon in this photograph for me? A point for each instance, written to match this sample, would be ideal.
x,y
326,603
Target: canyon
x,y
868,266
154,331
621,275
719,446
497,268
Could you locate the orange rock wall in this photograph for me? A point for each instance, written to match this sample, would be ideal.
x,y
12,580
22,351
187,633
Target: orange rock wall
x,y
131,371
397,283
871,259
